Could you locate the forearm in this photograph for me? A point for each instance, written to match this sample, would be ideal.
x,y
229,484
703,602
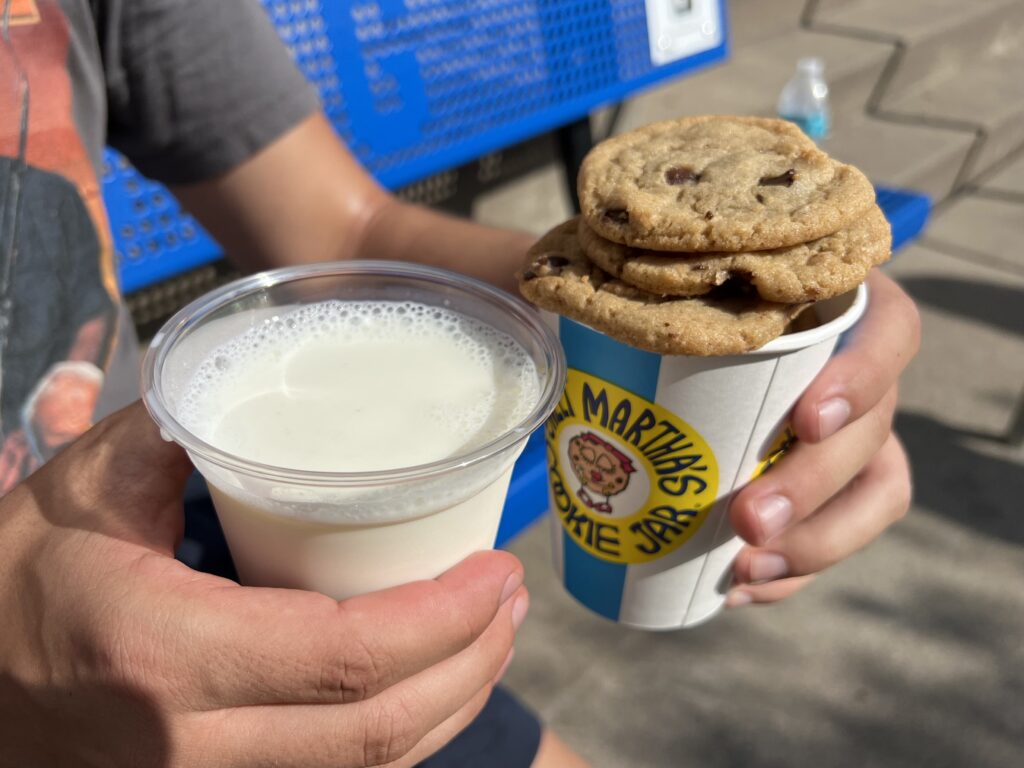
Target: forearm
x,y
400,231
305,199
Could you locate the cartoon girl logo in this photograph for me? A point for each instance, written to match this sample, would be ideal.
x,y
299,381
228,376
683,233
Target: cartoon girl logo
x,y
601,468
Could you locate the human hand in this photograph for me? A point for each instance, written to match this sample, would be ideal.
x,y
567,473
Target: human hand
x,y
114,653
847,479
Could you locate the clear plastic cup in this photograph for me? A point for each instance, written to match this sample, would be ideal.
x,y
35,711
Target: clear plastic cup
x,y
347,533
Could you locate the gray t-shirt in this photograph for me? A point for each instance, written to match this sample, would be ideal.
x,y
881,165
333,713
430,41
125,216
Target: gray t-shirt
x,y
187,89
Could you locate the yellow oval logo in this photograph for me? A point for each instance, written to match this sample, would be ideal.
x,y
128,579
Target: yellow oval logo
x,y
630,480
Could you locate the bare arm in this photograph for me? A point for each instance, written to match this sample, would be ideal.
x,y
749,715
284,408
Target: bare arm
x,y
306,199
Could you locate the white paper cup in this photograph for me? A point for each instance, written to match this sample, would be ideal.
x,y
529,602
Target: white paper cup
x,y
645,452
346,533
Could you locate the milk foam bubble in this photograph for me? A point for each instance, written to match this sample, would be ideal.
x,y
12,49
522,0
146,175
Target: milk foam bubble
x,y
343,386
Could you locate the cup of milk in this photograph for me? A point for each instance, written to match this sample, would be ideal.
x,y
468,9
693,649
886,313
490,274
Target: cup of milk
x,y
356,422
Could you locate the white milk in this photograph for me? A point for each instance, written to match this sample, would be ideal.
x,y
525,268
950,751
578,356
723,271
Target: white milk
x,y
344,560
352,387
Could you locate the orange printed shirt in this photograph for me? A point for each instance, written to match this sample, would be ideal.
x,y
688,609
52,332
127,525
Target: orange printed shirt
x,y
188,90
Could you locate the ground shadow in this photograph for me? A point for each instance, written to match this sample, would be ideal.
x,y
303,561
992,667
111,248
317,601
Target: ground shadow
x,y
914,660
997,305
931,677
954,480
926,672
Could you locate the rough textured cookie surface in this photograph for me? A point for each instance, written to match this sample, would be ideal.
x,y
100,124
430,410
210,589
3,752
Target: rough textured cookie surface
x,y
823,268
559,277
718,184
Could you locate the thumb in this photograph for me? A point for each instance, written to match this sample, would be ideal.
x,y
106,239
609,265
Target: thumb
x,y
126,477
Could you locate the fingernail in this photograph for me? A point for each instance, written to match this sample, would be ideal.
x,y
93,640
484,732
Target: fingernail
x,y
765,566
773,513
519,609
832,416
505,664
514,582
737,598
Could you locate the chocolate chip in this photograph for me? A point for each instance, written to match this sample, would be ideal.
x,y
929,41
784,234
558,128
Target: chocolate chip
x,y
617,215
551,260
782,180
529,275
736,287
709,215
681,175
760,198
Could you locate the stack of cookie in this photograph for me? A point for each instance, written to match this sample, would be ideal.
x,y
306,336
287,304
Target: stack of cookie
x,y
707,236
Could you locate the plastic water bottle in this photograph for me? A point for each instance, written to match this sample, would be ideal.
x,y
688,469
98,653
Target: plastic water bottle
x,y
804,99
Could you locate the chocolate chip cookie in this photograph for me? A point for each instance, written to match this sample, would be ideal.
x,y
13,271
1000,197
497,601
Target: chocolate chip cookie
x,y
823,268
559,277
718,184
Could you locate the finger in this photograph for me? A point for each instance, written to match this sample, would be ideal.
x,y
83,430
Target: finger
x,y
124,464
879,496
128,444
769,592
455,724
858,377
445,732
504,667
268,646
377,731
808,476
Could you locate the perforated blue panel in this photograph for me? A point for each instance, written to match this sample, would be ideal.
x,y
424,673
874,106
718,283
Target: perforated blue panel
x,y
153,238
419,86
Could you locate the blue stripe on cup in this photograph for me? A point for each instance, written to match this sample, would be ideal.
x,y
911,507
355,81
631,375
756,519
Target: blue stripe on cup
x,y
596,583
